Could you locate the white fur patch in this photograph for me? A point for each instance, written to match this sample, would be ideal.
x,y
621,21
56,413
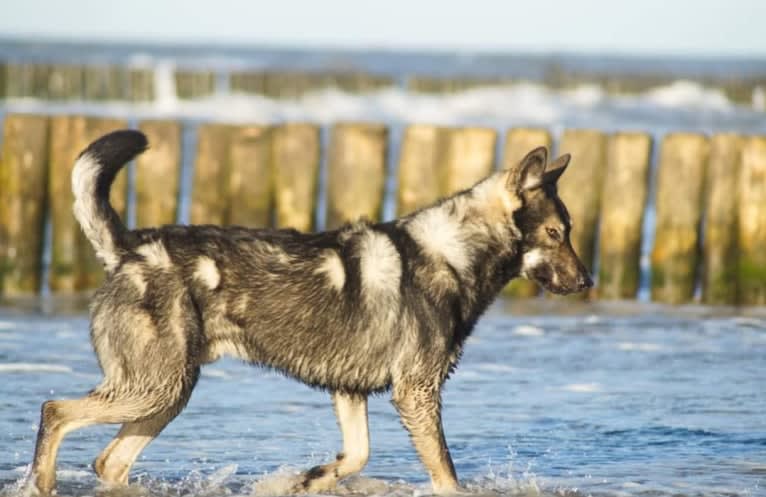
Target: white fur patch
x,y
380,263
531,260
440,236
133,271
84,175
155,254
207,272
332,268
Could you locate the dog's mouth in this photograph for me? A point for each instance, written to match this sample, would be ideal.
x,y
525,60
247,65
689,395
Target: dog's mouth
x,y
548,286
544,278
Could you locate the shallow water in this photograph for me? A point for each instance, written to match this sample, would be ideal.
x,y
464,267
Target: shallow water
x,y
590,401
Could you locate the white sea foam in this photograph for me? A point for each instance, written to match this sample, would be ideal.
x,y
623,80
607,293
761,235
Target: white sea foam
x,y
688,94
681,104
582,387
528,331
73,474
497,368
639,346
27,367
216,373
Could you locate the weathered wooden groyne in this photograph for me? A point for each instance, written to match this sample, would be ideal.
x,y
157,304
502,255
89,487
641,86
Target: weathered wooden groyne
x,y
62,82
708,198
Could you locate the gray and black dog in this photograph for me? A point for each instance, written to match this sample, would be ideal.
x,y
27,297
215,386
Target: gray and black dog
x,y
367,308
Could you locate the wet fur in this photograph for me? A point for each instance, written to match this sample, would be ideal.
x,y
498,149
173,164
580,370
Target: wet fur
x,y
367,308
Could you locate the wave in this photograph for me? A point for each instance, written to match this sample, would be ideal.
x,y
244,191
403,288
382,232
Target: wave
x,y
27,367
682,104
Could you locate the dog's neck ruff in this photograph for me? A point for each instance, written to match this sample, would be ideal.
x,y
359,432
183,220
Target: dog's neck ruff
x,y
474,233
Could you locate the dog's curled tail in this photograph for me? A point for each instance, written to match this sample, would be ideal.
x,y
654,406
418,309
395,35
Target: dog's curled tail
x,y
92,177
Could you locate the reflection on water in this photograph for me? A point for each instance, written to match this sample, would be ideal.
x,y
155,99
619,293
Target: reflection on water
x,y
551,400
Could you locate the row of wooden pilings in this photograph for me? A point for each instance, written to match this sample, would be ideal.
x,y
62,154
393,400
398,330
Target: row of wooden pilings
x,y
112,82
710,206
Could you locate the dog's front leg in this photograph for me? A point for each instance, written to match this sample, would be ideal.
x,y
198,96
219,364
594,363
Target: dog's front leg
x,y
351,411
419,406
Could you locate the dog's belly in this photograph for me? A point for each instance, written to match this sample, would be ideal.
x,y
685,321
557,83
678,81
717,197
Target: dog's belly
x,y
354,363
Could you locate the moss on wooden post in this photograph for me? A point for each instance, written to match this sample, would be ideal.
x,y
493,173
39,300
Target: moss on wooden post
x,y
680,185
67,134
719,251
420,163
104,83
295,163
752,223
23,178
357,172
211,177
194,84
65,82
623,204
250,184
140,85
158,174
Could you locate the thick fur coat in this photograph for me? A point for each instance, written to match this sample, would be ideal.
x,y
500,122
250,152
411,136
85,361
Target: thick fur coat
x,y
366,308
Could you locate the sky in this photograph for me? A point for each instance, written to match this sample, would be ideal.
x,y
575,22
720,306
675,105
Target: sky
x,y
698,27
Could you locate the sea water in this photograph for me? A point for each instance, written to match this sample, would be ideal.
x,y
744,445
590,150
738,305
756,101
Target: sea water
x,y
636,400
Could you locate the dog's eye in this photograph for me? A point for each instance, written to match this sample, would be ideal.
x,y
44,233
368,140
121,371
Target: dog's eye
x,y
553,233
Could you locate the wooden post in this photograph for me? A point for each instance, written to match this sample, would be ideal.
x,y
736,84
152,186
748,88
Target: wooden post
x,y
469,157
22,209
295,166
680,182
104,83
140,85
248,82
580,188
66,142
250,186
158,174
73,262
752,222
194,84
357,172
420,164
518,143
211,176
3,79
19,80
719,251
65,82
40,76
622,213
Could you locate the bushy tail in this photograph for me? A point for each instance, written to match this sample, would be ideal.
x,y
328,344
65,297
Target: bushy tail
x,y
92,177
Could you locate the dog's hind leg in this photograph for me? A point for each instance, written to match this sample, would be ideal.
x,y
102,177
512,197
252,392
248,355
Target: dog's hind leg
x,y
59,417
419,407
351,411
114,463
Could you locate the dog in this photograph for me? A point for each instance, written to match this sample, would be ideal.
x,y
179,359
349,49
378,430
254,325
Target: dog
x,y
367,308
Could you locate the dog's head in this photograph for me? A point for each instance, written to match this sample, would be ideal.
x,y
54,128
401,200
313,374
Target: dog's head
x,y
547,256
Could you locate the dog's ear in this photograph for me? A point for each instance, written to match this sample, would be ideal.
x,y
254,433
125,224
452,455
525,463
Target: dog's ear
x,y
528,175
555,169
